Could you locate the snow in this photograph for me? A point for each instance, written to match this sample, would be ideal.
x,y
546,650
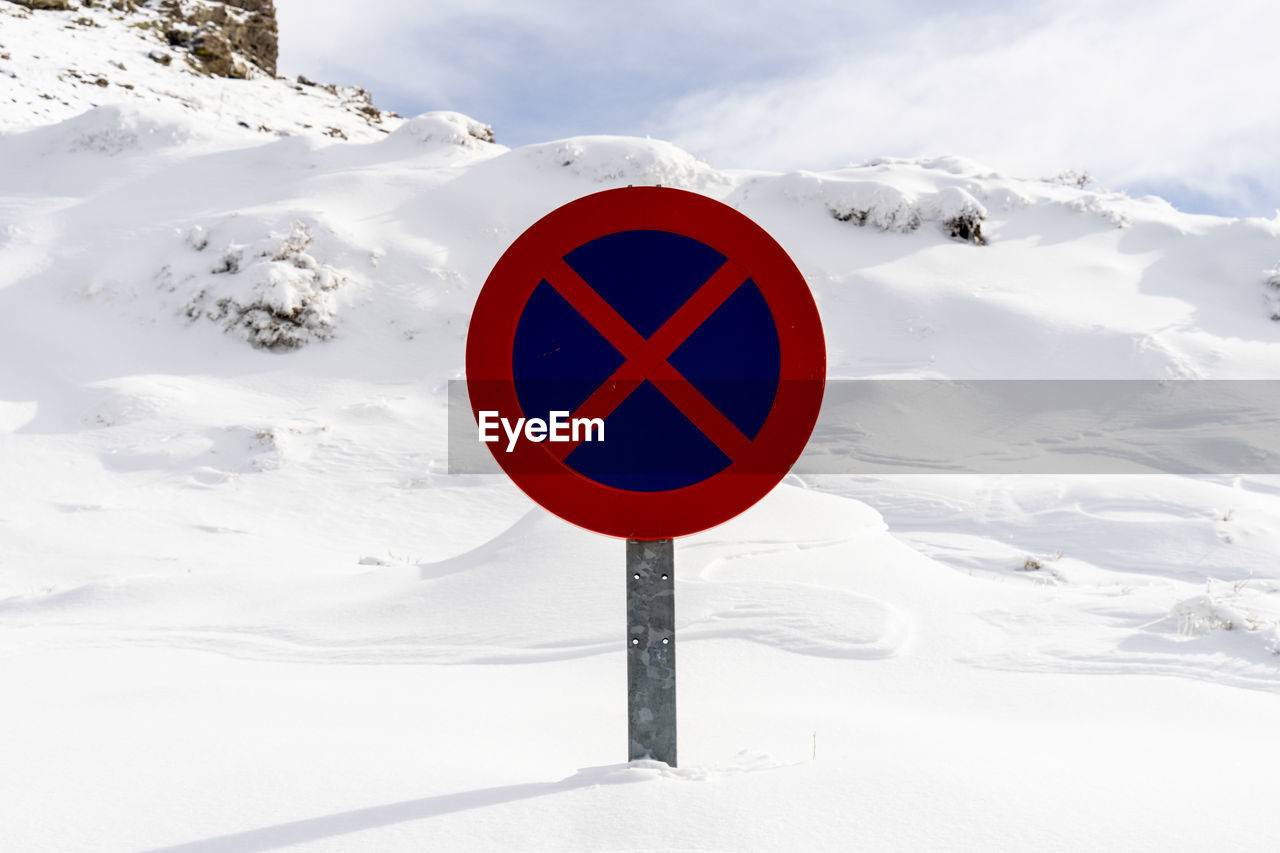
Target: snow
x,y
243,605
57,65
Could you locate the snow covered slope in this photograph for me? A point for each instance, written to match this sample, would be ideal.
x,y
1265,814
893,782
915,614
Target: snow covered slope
x,y
243,605
56,64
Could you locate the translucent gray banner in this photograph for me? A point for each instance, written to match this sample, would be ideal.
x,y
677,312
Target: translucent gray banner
x,y
1011,427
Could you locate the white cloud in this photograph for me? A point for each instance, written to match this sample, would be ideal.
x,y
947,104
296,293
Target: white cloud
x,y
1173,94
1177,96
559,68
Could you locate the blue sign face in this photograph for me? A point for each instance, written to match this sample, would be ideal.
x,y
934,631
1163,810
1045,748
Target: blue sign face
x,y
573,346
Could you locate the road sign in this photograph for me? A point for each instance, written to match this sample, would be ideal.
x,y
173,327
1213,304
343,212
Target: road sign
x,y
646,363
660,356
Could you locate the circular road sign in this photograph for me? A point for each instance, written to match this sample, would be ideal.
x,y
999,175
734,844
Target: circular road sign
x,y
645,362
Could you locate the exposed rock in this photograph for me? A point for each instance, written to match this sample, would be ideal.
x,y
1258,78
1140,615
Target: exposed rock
x,y
212,38
61,5
265,6
229,38
224,35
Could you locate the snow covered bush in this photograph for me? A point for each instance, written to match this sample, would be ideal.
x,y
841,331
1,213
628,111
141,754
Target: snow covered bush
x,y
1273,291
1077,178
1237,606
878,205
273,293
1206,613
1110,206
889,208
959,213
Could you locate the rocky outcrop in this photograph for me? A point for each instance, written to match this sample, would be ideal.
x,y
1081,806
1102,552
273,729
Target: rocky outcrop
x,y
226,38
203,42
223,36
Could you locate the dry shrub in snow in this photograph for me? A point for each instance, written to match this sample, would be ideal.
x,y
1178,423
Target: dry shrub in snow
x,y
888,208
1273,291
959,213
273,293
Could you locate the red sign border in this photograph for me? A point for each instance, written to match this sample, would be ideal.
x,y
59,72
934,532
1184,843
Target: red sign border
x,y
677,512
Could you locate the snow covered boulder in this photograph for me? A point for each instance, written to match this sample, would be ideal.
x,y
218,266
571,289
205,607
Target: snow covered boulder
x,y
624,160
444,127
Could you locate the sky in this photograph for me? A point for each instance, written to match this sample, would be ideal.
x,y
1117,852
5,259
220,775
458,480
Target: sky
x,y
1176,98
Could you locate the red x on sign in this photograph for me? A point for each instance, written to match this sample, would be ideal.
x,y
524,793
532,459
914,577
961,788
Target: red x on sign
x,y
565,301
647,357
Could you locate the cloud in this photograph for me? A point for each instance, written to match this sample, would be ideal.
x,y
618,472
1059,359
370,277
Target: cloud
x,y
1175,97
562,68
1178,96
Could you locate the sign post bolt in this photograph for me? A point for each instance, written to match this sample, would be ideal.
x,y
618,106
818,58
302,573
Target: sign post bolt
x,y
651,650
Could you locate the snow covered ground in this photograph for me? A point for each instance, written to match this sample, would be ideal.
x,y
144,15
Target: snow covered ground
x,y
243,606
56,65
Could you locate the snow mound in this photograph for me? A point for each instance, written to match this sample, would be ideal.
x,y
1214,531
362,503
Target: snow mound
x,y
443,127
807,621
963,167
492,604
113,130
1237,606
624,160
15,415
117,129
887,207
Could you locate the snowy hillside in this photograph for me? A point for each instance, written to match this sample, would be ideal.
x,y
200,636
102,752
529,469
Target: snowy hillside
x,y
243,605
54,65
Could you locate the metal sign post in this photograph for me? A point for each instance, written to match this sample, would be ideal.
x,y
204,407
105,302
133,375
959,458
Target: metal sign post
x,y
651,650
